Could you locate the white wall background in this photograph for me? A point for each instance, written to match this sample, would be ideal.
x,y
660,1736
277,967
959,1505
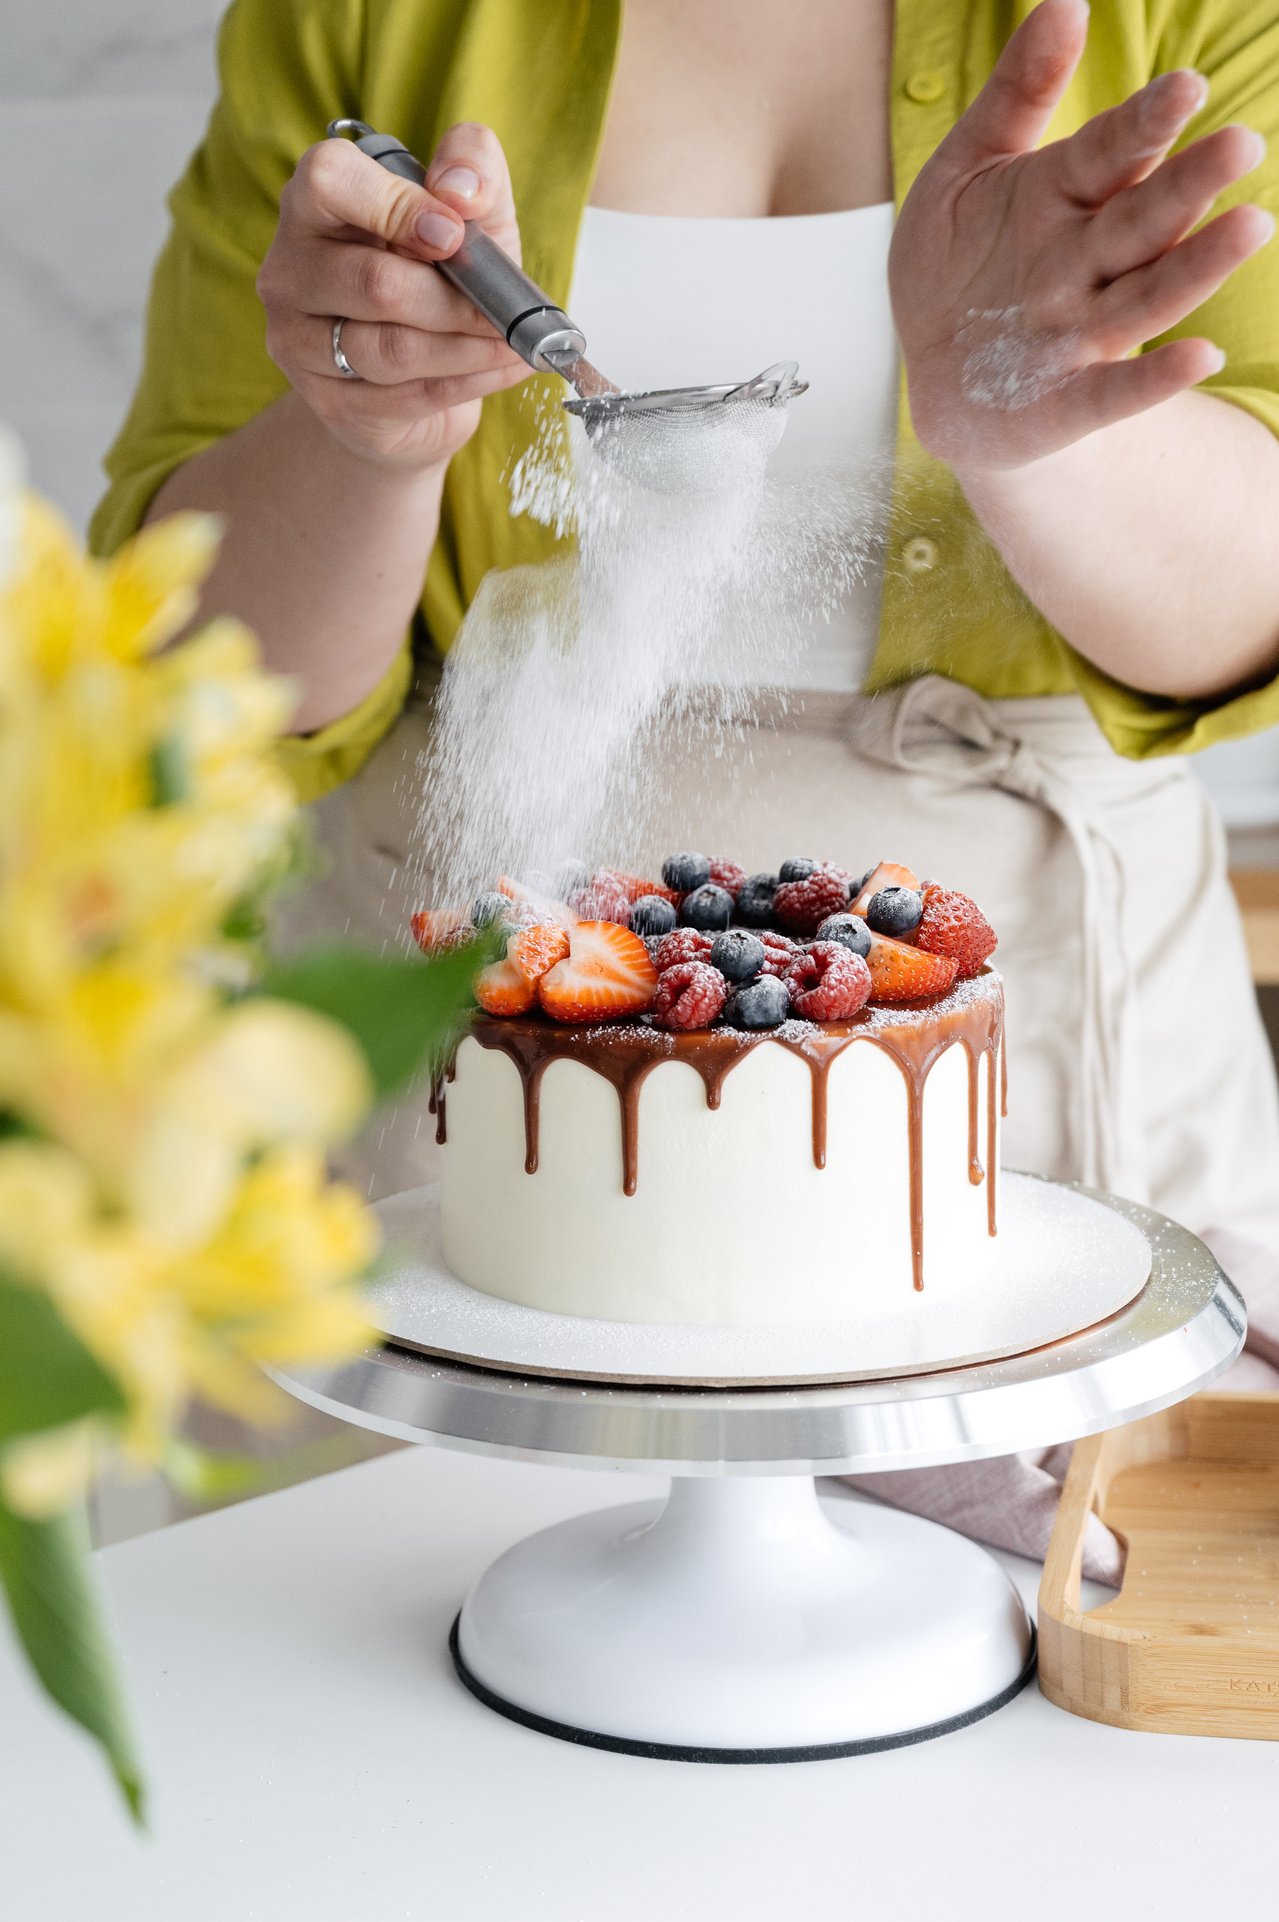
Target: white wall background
x,y
101,101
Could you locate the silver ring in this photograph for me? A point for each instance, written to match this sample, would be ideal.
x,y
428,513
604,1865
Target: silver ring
x,y
340,360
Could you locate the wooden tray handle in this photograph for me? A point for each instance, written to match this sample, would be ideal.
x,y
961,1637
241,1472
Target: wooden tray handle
x,y
1059,1587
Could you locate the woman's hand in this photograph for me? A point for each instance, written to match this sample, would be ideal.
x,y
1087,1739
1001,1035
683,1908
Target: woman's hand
x,y
1023,278
355,242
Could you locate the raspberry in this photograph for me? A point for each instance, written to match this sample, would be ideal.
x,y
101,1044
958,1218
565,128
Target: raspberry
x,y
802,906
727,875
691,995
829,982
604,898
684,944
780,952
954,925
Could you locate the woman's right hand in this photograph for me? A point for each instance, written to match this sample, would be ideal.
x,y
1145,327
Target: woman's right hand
x,y
355,242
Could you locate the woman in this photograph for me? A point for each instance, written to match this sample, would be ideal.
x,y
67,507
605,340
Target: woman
x,y
1080,577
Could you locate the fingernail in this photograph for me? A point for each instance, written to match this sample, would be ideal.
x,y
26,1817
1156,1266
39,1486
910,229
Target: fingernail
x,y
1257,142
1269,219
1218,362
463,181
436,230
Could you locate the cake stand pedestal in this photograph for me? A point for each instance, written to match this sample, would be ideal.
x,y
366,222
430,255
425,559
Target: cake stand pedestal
x,y
747,1619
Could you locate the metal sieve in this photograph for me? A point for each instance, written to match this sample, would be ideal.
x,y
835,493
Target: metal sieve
x,y
542,334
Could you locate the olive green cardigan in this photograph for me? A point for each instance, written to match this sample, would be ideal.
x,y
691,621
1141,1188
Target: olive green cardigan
x,y
540,74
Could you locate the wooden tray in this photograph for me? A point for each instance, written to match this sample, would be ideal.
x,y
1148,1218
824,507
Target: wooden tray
x,y
1190,1645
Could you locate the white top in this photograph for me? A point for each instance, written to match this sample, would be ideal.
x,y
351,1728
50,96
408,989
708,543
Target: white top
x,y
313,1759
811,288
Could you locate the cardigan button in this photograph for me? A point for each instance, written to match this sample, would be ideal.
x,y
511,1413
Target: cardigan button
x,y
925,88
920,555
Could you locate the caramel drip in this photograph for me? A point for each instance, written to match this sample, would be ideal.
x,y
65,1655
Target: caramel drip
x,y
625,1057
992,1128
1003,1082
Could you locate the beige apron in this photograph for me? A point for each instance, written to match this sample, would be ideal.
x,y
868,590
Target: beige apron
x,y
1137,1060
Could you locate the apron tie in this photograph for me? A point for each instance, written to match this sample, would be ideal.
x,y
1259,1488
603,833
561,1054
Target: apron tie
x,y
947,731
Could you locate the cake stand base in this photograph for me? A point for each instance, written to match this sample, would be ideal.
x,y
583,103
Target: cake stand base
x,y
745,1620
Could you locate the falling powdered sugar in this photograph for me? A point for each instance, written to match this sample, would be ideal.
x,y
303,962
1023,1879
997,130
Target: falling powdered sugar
x,y
684,580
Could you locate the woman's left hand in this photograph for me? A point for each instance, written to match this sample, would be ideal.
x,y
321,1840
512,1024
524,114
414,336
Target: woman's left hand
x,y
1022,278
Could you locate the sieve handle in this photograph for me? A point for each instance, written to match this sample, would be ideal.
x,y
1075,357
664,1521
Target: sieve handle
x,y
529,319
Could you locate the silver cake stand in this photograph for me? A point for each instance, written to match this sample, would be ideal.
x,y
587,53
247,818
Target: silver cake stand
x,y
745,1619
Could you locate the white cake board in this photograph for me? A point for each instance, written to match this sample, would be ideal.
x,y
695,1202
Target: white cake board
x,y
1065,1263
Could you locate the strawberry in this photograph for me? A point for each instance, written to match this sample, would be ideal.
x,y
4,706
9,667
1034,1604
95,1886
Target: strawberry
x,y
887,875
536,950
437,928
954,925
689,996
802,906
828,982
504,988
899,972
727,875
607,975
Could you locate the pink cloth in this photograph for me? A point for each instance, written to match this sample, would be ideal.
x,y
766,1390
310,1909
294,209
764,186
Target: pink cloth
x,y
1011,1502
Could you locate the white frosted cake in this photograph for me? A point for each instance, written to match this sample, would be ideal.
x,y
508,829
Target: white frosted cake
x,y
800,1140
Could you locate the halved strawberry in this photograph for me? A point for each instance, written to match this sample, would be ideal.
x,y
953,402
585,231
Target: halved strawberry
x,y
887,875
437,928
534,951
954,925
504,988
608,974
899,972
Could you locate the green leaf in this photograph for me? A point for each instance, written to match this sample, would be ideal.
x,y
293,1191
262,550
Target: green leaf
x,y
205,1477
170,772
44,1566
47,1375
402,1009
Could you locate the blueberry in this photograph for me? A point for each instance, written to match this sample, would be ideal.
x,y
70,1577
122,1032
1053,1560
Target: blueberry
x,y
755,900
569,877
764,1003
895,911
856,887
849,930
652,915
796,870
685,872
491,908
709,908
737,954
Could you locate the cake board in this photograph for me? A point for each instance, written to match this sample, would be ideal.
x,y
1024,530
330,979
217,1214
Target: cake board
x,y
1086,1262
748,1618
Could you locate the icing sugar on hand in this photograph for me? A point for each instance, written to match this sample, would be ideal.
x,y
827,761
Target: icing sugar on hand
x,y
1010,365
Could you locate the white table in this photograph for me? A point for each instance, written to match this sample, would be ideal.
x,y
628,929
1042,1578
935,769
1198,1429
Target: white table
x,y
312,1757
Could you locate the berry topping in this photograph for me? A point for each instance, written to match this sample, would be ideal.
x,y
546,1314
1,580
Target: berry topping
x,y
490,908
899,972
738,954
755,900
689,996
954,925
829,983
894,910
727,875
887,875
797,869
607,975
504,988
652,914
849,930
779,952
602,899
534,951
685,944
764,1003
636,888
708,907
802,906
685,872
437,928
